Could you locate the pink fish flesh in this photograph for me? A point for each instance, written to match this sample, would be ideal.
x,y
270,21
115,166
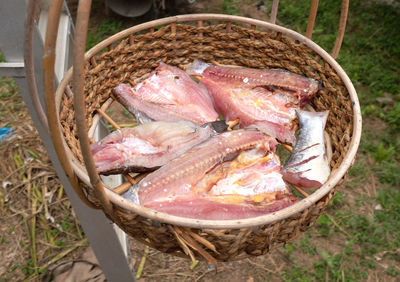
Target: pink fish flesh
x,y
267,98
193,165
308,164
202,208
232,175
168,94
148,146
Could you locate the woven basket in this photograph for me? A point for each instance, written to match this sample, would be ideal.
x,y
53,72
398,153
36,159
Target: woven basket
x,y
178,40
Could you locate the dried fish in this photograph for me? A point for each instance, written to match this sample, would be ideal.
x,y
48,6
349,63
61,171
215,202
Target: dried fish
x,y
308,164
168,94
150,145
232,175
266,98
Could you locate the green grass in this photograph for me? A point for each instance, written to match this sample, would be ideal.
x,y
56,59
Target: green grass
x,y
106,28
7,87
370,55
367,236
297,273
392,117
231,7
307,246
370,42
392,271
333,267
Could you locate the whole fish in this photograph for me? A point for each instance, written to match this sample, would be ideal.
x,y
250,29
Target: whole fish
x,y
232,175
150,145
267,98
308,164
168,94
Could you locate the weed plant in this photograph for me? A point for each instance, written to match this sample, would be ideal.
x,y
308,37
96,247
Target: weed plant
x,y
370,55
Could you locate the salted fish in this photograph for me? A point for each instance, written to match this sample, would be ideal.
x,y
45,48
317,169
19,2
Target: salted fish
x,y
232,175
266,98
308,164
149,146
168,94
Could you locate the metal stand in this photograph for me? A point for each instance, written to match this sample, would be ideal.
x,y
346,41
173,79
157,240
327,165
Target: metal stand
x,y
110,249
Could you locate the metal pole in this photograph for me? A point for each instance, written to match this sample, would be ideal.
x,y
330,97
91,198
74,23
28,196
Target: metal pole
x,y
98,229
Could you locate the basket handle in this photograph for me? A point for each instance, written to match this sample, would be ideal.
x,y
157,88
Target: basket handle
x,y
311,18
274,11
78,80
29,62
342,27
311,21
82,20
52,116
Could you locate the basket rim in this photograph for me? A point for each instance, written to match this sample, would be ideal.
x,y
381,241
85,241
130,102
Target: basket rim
x,y
298,207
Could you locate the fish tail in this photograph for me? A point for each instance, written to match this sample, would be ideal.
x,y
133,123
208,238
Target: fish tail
x,y
132,194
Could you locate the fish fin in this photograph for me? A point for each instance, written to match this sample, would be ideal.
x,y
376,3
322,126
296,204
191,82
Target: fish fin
x,y
132,194
197,67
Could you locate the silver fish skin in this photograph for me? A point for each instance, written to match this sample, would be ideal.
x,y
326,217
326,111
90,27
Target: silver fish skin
x,y
308,164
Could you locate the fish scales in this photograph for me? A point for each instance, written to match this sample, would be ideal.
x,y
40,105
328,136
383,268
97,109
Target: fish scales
x,y
308,165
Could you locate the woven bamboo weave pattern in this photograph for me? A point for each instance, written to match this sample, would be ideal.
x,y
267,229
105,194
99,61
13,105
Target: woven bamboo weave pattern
x,y
127,62
226,43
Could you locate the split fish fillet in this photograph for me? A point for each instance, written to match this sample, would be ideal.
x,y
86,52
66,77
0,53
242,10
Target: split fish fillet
x,y
266,98
168,94
232,175
149,146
